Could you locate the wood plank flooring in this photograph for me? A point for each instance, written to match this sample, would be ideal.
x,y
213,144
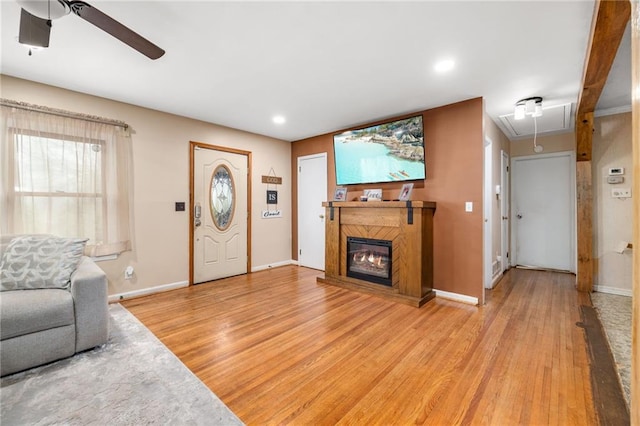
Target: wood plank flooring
x,y
279,348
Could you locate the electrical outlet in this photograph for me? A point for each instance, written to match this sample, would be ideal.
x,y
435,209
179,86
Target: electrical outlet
x,y
621,192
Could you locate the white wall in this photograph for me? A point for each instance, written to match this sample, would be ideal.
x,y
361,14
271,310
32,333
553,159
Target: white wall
x,y
613,218
161,177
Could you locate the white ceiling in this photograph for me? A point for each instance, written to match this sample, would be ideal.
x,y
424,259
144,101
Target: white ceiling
x,y
325,66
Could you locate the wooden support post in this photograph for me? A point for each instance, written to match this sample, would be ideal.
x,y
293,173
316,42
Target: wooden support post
x,y
584,136
584,196
584,199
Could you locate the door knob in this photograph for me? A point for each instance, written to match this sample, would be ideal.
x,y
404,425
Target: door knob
x,y
321,216
519,216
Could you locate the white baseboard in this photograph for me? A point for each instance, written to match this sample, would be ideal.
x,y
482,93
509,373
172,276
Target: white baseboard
x,y
613,290
456,297
274,265
147,291
494,280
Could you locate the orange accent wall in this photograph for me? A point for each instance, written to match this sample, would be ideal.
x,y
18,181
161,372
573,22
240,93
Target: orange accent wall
x,y
454,151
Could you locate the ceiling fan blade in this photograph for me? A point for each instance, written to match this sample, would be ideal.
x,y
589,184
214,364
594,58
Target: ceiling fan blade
x,y
34,31
115,28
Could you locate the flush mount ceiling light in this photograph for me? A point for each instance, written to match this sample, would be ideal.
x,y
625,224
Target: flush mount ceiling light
x,y
529,106
444,66
533,108
279,119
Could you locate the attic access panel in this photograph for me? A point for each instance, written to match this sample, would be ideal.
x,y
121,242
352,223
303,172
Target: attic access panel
x,y
554,119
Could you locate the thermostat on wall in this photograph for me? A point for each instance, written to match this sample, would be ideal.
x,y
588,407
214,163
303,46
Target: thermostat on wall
x,y
616,171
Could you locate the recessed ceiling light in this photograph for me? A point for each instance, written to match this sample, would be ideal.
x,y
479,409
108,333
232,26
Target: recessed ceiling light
x,y
444,66
279,119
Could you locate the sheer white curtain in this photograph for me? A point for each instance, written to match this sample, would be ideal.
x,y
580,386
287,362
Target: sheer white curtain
x,y
66,176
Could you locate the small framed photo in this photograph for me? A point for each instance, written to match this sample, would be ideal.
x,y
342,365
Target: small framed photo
x,y
405,192
373,194
340,194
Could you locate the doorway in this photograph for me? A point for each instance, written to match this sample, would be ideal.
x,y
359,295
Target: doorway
x,y
487,228
220,206
504,211
312,191
543,211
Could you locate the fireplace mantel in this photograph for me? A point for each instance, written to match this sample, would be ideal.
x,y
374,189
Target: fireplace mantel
x,y
407,224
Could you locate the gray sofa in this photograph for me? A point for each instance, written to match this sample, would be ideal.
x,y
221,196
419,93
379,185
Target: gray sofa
x,y
38,326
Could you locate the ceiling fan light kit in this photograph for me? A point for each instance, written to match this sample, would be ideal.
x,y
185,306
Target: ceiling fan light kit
x,y
36,16
34,31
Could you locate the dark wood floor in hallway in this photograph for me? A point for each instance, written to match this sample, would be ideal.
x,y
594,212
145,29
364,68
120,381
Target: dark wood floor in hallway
x,y
279,348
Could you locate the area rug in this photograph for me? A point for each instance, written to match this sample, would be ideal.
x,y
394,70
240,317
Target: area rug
x,y
614,312
132,380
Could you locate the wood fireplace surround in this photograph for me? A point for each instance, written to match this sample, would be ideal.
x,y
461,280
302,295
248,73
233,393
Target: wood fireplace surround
x,y
409,227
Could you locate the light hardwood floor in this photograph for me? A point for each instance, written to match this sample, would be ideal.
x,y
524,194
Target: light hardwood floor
x,y
279,348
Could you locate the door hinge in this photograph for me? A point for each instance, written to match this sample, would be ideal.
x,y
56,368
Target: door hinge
x,y
507,168
299,169
300,251
507,255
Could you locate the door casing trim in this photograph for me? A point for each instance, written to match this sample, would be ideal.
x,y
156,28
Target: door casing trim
x,y
192,150
574,214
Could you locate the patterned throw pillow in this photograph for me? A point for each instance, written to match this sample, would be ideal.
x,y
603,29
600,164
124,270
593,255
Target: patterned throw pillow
x,y
36,261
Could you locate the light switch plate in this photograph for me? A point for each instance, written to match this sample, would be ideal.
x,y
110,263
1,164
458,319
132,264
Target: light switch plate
x,y
468,206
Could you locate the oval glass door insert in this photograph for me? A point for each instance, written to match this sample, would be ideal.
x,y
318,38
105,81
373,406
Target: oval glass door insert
x,y
222,197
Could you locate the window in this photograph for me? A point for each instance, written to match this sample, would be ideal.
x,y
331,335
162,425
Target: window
x,y
67,177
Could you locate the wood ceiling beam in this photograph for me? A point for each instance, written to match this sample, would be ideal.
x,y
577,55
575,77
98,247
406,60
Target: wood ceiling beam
x,y
607,29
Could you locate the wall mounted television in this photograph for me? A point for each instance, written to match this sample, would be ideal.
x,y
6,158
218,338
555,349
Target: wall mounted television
x,y
388,152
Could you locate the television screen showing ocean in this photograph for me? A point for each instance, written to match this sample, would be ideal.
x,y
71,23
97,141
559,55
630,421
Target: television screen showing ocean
x,y
360,161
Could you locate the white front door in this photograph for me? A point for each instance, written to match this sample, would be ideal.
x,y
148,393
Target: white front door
x,y
543,209
220,214
312,191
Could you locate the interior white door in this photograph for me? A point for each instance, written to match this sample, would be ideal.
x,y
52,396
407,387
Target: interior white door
x,y
220,214
504,211
487,230
543,211
312,191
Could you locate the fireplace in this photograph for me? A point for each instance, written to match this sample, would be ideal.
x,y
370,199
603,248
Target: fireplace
x,y
369,260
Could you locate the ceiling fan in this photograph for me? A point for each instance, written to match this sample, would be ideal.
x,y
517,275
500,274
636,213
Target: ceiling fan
x,y
36,17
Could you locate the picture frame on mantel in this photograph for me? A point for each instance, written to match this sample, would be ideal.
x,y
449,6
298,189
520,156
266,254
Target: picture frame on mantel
x,y
340,194
405,192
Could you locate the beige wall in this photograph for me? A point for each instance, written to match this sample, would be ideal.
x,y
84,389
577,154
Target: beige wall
x,y
613,217
555,143
161,177
453,136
